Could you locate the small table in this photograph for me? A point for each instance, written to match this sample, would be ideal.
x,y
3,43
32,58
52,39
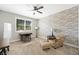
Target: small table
x,y
51,38
25,36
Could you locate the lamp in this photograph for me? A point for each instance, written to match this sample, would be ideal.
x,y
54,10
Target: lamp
x,y
36,28
52,31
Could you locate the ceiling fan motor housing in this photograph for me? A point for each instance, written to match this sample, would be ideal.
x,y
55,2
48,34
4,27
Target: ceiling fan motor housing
x,y
36,8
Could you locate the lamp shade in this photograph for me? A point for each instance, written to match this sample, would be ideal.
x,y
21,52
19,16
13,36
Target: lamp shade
x,y
36,27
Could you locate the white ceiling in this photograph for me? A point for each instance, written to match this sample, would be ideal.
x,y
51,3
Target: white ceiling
x,y
26,9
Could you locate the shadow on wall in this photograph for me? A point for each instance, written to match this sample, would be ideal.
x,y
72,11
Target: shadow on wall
x,y
57,31
71,40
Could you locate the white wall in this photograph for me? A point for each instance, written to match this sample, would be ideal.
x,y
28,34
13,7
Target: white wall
x,y
78,25
65,21
10,18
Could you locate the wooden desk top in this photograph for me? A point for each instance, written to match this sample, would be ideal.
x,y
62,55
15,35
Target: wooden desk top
x,y
25,33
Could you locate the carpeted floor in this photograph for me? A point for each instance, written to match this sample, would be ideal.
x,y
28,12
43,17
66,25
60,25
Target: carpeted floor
x,y
33,48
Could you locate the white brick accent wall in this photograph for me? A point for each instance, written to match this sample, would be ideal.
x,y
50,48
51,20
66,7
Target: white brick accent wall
x,y
65,21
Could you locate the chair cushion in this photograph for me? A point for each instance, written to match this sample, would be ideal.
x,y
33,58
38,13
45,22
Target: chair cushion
x,y
45,45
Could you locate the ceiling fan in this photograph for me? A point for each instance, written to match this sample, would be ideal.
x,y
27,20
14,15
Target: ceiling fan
x,y
37,8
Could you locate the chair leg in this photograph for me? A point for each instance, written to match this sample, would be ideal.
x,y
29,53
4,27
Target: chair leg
x,y
61,45
54,48
8,48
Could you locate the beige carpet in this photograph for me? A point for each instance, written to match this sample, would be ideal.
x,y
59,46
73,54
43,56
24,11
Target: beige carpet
x,y
33,48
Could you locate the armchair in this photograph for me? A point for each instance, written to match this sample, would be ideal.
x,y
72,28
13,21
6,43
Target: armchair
x,y
58,41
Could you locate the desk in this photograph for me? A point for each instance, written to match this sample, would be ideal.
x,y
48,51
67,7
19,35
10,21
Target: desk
x,y
4,46
25,36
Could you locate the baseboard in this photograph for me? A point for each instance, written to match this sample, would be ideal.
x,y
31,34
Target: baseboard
x,y
33,37
42,37
71,45
14,40
19,39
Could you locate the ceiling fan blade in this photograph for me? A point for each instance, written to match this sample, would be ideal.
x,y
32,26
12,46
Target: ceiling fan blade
x,y
39,11
40,7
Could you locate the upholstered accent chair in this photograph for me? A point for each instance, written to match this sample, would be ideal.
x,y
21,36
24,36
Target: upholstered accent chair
x,y
58,41
45,45
55,42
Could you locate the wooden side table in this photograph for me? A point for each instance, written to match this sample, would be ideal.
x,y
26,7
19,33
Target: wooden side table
x,y
51,38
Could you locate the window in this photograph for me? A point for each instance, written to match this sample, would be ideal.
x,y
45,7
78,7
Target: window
x,y
23,24
20,24
28,25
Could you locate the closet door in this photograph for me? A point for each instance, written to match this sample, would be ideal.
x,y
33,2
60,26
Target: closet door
x,y
7,33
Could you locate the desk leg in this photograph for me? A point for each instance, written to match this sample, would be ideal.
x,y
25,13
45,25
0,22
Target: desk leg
x,y
21,37
1,52
30,37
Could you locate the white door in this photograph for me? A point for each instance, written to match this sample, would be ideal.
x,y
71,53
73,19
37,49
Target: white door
x,y
7,33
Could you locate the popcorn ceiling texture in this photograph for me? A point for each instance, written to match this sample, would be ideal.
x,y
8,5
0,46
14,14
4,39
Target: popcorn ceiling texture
x,y
65,21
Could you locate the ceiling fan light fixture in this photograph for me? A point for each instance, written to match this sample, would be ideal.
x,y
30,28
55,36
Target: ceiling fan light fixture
x,y
33,13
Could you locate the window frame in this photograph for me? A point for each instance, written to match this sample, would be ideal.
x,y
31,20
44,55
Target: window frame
x,y
24,24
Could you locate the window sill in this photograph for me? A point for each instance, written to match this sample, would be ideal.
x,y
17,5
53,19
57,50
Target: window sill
x,y
27,31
